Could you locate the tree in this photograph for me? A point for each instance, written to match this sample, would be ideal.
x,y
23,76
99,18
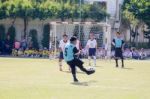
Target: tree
x,y
97,12
140,11
12,33
147,35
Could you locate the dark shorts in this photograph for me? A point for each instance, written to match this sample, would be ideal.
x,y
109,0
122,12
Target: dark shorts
x,y
118,53
61,55
75,62
92,51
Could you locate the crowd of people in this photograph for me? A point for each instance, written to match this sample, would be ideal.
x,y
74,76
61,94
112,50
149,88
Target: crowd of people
x,y
23,49
133,53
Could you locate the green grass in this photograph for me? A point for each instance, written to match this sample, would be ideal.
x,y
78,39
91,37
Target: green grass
x,y
41,79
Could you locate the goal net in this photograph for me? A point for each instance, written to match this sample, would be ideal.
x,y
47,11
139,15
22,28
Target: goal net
x,y
102,33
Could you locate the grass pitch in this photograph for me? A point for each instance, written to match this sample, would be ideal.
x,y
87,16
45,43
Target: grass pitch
x,y
41,79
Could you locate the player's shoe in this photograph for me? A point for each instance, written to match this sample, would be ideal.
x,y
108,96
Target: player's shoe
x,y
76,80
91,72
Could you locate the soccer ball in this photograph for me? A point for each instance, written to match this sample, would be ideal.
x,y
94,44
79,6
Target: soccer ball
x,y
91,68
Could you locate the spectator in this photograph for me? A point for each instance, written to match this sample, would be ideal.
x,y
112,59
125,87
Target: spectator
x,y
142,53
8,45
127,53
135,54
24,44
17,45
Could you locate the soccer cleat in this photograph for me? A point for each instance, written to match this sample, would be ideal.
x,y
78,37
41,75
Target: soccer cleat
x,y
75,80
91,72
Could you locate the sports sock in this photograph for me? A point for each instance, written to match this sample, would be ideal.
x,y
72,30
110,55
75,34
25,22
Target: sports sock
x,y
94,58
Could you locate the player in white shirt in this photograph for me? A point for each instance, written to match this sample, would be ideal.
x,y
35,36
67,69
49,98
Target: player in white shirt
x,y
92,46
62,45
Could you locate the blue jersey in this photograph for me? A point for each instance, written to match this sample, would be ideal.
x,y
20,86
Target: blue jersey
x,y
69,52
118,42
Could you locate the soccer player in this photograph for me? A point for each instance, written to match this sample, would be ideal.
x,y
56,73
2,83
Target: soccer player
x,y
92,46
62,45
70,56
118,43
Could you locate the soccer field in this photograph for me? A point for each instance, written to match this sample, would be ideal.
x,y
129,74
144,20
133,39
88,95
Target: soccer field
x,y
41,79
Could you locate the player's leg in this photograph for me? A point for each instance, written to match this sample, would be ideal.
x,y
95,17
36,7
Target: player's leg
x,y
60,61
122,59
94,56
90,55
79,64
73,70
116,56
116,59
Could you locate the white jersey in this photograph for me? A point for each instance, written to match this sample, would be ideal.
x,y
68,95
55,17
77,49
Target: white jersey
x,y
62,44
91,43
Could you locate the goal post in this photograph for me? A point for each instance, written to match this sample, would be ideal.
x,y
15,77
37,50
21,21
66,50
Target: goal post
x,y
101,30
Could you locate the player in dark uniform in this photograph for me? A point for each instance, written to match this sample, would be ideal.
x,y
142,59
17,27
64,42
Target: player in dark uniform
x,y
71,57
118,43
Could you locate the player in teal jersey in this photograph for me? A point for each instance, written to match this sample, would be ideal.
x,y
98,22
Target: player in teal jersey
x,y
71,54
118,43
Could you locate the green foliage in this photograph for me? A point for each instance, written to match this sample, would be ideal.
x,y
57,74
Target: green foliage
x,y
34,38
49,9
46,33
43,9
97,12
136,11
12,33
2,32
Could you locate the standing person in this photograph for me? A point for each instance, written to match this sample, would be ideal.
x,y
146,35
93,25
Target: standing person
x,y
62,45
92,46
118,43
70,54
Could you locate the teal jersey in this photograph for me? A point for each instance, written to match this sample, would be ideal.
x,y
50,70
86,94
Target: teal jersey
x,y
68,52
118,42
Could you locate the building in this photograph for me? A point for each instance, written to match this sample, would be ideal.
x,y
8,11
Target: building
x,y
113,7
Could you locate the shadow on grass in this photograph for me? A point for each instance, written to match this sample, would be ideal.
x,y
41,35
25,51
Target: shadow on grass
x,y
78,72
127,68
66,71
83,83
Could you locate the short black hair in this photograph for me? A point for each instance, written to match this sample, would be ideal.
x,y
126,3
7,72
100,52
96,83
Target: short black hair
x,y
73,38
118,33
65,35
